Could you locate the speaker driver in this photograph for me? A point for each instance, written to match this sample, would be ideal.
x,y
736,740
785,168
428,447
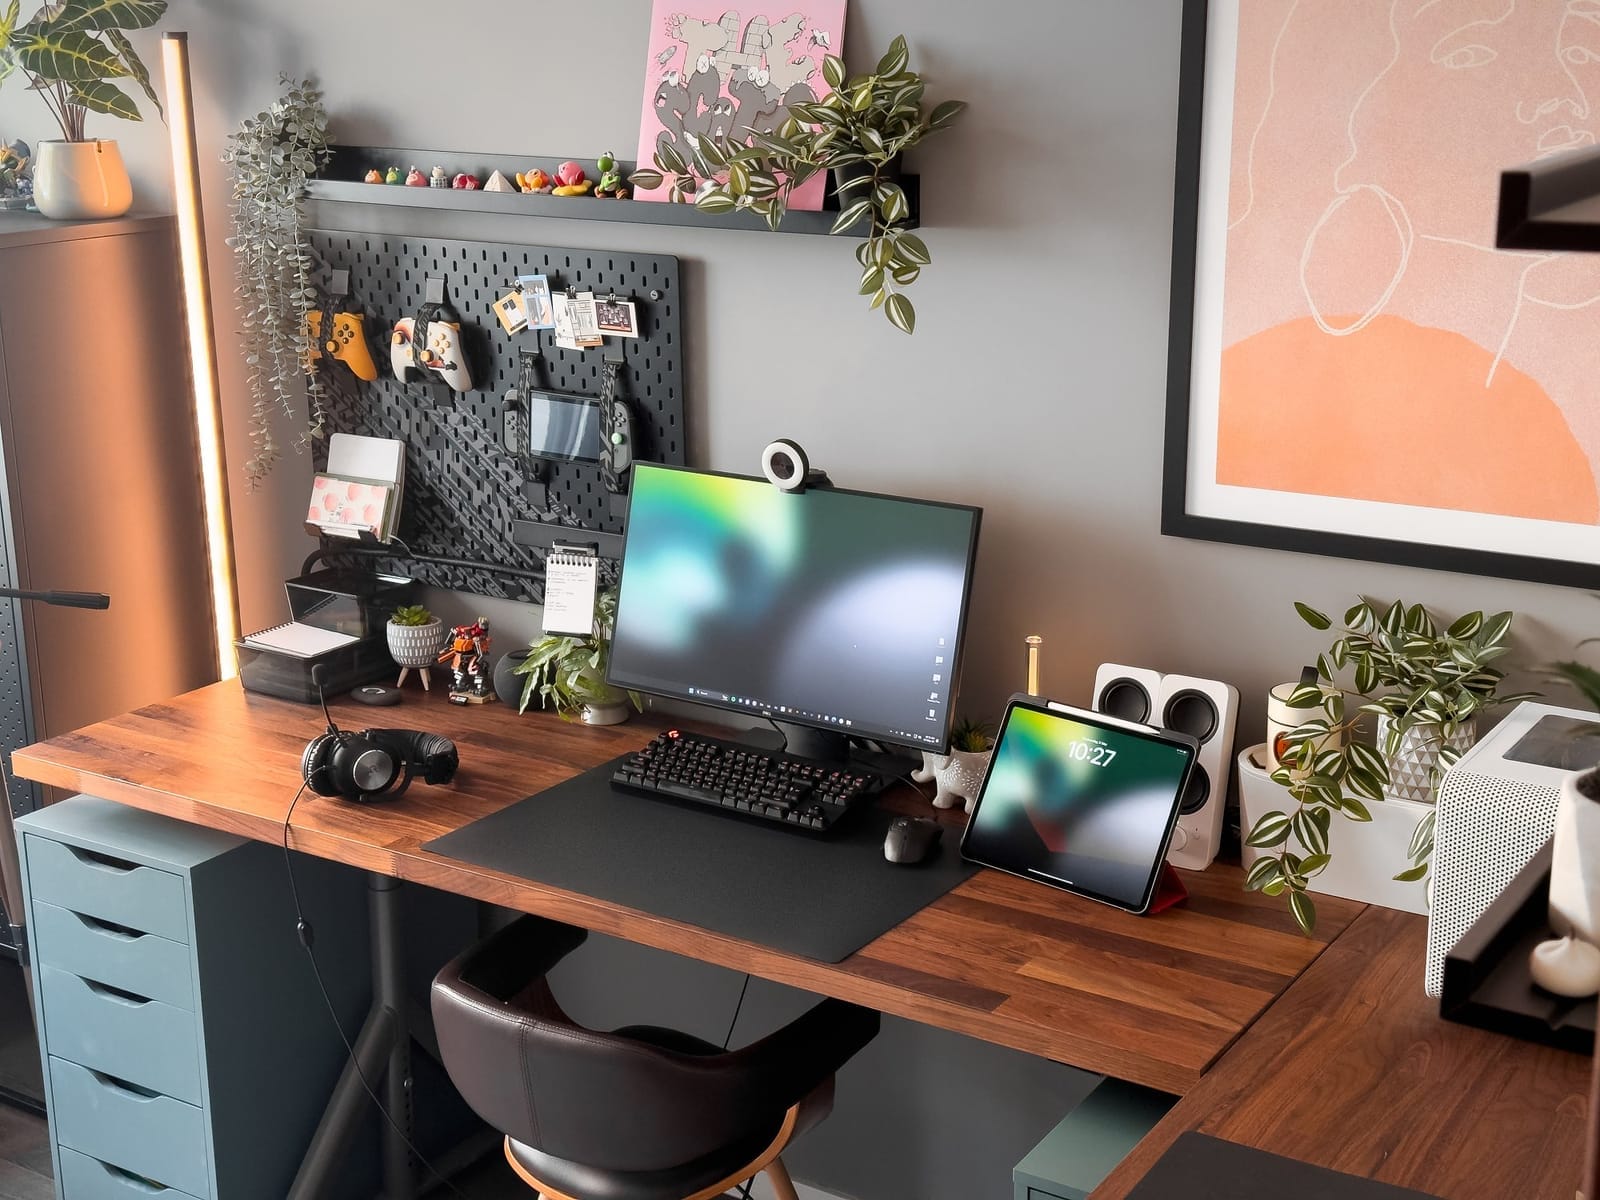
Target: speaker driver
x,y
1193,713
1125,699
1196,792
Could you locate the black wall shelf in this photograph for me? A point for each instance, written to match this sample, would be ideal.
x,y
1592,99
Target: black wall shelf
x,y
1553,204
342,181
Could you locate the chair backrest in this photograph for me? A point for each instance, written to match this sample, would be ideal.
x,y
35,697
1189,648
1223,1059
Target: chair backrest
x,y
629,1101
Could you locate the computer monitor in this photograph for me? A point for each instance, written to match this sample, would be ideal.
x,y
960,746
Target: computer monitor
x,y
825,610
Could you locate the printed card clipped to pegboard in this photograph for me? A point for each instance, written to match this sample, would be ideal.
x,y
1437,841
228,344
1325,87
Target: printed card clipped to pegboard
x,y
523,380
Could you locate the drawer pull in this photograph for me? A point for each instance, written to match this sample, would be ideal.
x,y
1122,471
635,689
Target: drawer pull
x,y
132,1090
138,1182
103,862
116,995
107,929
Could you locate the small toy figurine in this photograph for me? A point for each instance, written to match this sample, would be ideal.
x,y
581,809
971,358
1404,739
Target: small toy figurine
x,y
465,183
468,656
374,176
499,183
416,178
392,175
535,181
437,178
610,178
571,181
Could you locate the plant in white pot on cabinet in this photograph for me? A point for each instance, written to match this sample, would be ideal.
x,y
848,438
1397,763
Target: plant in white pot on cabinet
x,y
958,775
1425,686
416,637
77,58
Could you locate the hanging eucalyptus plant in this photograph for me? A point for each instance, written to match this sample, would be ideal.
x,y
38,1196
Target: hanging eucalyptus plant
x,y
272,156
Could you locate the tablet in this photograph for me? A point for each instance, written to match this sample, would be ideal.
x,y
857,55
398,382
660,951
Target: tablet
x,y
1080,800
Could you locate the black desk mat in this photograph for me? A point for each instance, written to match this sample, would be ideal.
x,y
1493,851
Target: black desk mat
x,y
1200,1167
820,898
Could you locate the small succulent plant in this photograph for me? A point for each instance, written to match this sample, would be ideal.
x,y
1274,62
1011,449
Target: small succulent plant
x,y
974,737
411,614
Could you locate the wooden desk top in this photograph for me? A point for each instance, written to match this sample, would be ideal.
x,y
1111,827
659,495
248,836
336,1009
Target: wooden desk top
x,y
1155,1000
1354,1070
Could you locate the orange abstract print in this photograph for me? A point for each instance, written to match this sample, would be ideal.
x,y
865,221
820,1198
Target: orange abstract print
x,y
1375,344
1414,425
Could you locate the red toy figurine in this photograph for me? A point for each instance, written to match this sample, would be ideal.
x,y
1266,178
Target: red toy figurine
x,y
468,656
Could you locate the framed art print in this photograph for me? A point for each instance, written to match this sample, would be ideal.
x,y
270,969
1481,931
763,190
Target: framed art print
x,y
1354,368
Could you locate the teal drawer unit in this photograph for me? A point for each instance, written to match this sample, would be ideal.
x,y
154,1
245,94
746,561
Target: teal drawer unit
x,y
187,1052
1076,1156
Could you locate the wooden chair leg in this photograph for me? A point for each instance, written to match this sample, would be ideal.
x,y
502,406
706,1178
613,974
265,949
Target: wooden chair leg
x,y
782,1185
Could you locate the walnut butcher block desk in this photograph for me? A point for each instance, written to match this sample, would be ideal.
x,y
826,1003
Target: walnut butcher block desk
x,y
1153,1000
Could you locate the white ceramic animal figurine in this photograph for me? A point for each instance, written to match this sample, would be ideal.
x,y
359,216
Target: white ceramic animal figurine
x,y
957,775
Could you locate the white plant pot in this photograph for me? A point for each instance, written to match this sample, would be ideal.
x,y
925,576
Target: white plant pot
x,y
613,713
414,646
1366,855
78,181
1411,766
958,776
1575,858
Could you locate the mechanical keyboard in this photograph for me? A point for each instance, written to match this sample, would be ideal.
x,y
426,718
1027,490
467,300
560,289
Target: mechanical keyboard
x,y
797,793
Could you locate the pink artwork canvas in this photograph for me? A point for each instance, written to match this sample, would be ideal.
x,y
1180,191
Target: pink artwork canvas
x,y
720,72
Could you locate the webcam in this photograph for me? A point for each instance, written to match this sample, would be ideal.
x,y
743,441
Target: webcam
x,y
788,469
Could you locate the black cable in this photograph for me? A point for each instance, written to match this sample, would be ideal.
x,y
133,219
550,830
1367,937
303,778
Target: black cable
x,y
783,744
908,778
745,987
306,934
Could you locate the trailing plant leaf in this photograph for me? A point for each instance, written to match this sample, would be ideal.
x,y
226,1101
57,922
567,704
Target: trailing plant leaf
x,y
271,158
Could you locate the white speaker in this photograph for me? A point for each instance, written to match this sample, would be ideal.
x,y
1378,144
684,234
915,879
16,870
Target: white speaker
x,y
1496,808
1204,708
1207,710
1128,693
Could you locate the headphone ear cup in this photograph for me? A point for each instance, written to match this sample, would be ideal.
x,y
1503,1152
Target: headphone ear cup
x,y
316,765
439,757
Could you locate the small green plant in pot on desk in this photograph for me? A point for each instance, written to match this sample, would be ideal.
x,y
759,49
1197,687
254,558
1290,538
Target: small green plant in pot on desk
x,y
415,638
568,672
959,774
1425,686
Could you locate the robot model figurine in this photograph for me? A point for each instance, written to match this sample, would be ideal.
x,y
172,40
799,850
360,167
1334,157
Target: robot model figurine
x,y
468,657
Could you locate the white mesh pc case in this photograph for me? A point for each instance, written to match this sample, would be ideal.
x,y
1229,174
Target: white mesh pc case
x,y
1496,808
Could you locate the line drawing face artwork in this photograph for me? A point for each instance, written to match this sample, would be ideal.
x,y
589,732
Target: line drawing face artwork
x,y
1365,361
714,72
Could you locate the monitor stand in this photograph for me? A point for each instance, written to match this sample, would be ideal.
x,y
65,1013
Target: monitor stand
x,y
828,746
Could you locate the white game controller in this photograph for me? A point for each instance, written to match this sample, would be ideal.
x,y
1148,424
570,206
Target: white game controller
x,y
442,358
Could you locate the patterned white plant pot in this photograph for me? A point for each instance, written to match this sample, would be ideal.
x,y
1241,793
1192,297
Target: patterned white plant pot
x,y
414,646
1411,766
957,776
75,181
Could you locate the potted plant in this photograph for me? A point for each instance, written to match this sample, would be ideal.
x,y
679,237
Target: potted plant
x,y
73,55
858,132
568,673
959,774
1425,686
272,155
416,637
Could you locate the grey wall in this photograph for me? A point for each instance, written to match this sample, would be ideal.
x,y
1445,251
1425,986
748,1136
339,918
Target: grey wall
x,y
1052,200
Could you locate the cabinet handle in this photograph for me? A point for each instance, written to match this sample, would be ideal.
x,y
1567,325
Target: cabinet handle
x,y
137,1182
106,929
132,1090
116,995
103,862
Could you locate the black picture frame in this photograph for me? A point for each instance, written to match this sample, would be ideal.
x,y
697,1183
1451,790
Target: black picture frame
x,y
1176,519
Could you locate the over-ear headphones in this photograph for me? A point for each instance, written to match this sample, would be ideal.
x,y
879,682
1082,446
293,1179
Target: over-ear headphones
x,y
375,762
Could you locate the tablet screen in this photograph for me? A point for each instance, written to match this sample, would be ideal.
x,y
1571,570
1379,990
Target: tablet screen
x,y
1081,801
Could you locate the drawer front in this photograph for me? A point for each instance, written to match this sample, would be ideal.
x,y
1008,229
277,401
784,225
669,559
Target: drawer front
x,y
85,1178
146,1042
144,963
153,1136
140,898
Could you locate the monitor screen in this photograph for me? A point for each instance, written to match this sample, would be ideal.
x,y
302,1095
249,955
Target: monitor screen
x,y
839,610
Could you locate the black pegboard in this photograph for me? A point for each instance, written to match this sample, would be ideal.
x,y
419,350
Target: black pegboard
x,y
463,488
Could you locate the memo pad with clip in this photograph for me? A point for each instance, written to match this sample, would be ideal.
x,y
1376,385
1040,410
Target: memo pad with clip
x,y
1083,802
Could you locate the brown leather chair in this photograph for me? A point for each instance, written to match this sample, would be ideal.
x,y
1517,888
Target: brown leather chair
x,y
637,1114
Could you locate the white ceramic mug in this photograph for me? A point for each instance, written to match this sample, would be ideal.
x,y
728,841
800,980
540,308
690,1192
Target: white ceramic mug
x,y
1283,720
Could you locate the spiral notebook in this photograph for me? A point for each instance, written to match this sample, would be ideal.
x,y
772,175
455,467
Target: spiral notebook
x,y
571,578
299,641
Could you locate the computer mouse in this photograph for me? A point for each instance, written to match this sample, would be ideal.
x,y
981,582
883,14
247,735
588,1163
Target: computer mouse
x,y
911,839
